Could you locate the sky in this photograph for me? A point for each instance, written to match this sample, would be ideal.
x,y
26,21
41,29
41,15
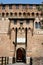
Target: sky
x,y
22,1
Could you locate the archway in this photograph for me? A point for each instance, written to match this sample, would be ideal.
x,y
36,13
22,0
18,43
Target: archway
x,y
21,55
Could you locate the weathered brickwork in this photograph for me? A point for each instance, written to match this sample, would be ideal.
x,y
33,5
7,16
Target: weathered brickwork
x,y
17,30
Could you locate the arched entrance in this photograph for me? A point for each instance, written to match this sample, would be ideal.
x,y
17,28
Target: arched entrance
x,y
21,55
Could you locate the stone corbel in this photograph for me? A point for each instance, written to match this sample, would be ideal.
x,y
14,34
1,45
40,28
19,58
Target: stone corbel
x,y
30,30
20,28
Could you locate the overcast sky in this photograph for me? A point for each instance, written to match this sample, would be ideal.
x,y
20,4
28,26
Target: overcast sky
x,y
22,1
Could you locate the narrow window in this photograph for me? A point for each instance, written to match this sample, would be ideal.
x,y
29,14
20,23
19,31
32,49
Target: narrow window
x,y
24,6
3,7
27,21
37,25
17,6
30,6
10,6
15,21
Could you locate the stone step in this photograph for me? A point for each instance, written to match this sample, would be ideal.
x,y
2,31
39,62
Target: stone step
x,y
18,63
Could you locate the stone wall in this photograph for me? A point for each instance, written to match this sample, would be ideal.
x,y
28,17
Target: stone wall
x,y
37,61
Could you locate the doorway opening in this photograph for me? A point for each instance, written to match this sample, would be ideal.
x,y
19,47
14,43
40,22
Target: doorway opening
x,y
21,55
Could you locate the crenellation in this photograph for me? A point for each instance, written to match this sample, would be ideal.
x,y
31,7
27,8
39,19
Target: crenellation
x,y
21,30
